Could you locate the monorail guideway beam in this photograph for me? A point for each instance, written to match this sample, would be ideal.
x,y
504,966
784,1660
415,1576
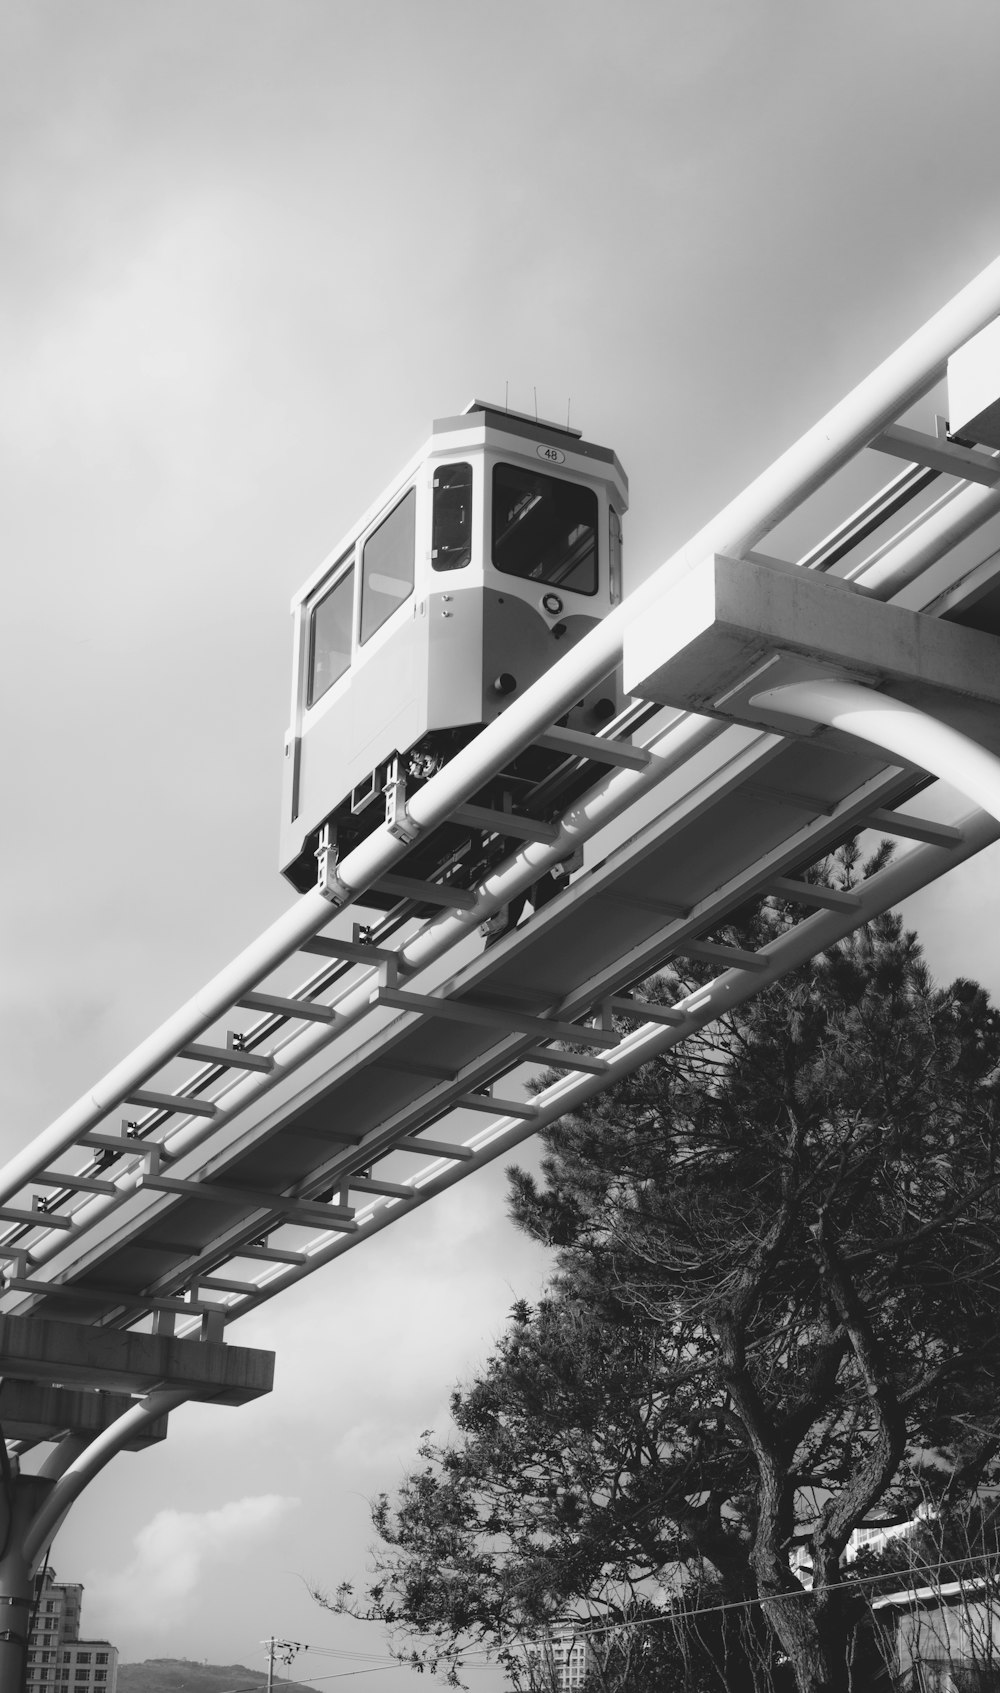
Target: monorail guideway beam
x,y
196,1211
845,431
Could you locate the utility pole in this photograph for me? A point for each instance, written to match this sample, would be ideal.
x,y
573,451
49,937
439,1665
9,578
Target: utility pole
x,y
287,1650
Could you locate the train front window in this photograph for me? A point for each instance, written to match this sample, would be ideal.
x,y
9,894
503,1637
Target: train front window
x,y
330,637
544,529
451,525
387,565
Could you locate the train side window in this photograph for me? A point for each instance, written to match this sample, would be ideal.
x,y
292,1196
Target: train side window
x,y
615,554
451,525
544,529
387,565
330,637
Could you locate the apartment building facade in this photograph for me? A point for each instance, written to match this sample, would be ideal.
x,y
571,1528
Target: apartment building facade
x,y
58,1660
572,1660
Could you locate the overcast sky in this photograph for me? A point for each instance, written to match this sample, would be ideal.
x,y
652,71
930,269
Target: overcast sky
x,y
249,251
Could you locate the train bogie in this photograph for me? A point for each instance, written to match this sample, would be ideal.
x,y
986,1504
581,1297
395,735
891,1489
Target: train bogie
x,y
493,552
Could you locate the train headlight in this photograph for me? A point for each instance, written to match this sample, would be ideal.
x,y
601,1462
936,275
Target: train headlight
x,y
552,604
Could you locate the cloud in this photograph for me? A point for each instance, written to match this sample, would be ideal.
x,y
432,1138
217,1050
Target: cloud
x,y
172,1551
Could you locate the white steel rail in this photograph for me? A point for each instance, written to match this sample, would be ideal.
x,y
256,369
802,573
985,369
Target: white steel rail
x,y
193,1126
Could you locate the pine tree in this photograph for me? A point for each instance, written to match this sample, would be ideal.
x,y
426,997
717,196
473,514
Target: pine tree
x,y
774,1303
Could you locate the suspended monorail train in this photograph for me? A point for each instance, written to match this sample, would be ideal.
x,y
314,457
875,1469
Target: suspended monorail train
x,y
495,549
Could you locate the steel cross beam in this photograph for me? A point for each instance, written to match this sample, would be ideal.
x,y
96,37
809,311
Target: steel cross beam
x,y
235,1178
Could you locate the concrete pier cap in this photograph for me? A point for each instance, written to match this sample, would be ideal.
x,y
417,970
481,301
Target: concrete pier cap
x,y
732,630
122,1361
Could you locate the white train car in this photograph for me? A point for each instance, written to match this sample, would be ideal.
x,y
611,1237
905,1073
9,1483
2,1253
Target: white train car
x,y
494,551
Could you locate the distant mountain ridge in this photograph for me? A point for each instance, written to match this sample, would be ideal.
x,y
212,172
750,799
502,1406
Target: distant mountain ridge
x,y
184,1675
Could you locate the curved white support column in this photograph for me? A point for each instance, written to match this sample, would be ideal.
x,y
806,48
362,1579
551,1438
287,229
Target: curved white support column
x,y
900,729
90,1462
61,1456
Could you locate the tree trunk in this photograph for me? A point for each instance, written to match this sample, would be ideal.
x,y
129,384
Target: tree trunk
x,y
819,1656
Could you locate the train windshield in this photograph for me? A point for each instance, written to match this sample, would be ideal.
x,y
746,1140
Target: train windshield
x,y
544,529
330,637
387,565
451,529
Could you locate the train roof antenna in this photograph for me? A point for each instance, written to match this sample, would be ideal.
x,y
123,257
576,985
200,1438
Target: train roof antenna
x,y
535,392
568,404
506,387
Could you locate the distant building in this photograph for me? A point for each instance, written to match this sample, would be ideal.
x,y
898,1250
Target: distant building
x,y
572,1660
58,1660
873,1537
943,1639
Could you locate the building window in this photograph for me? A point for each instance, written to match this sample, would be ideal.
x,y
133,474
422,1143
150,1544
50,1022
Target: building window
x,y
100,1657
83,1657
100,1675
82,1675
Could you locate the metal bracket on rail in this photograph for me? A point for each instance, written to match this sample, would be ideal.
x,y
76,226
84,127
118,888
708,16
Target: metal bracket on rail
x,y
17,1261
327,880
397,819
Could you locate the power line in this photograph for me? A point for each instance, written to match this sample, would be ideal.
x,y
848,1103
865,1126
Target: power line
x,y
338,1675
681,1613
336,1652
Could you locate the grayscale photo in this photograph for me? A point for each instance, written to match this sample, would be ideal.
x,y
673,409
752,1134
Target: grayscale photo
x,y
500,1150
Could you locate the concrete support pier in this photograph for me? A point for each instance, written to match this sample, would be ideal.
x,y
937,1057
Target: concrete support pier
x,y
20,1498
91,1392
